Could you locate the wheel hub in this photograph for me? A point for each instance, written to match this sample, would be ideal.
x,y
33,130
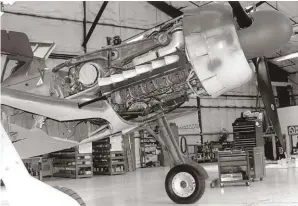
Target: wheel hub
x,y
183,184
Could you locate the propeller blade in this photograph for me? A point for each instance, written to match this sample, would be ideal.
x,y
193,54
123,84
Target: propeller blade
x,y
243,19
265,88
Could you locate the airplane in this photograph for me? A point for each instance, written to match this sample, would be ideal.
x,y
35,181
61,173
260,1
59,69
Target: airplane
x,y
134,85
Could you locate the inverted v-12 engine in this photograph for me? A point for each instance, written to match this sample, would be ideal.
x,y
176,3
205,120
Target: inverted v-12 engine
x,y
137,78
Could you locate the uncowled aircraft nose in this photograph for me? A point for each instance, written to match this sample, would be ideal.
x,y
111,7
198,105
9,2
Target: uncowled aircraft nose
x,y
269,31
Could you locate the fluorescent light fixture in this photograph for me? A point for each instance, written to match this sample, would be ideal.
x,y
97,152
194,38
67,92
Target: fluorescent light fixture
x,y
252,8
286,57
8,2
248,7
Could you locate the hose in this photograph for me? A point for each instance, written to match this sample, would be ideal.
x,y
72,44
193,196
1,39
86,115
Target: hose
x,y
183,150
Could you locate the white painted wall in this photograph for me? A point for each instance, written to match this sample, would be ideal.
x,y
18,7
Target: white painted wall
x,y
216,119
288,116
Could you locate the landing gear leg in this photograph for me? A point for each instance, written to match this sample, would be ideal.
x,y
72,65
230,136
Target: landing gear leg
x,y
185,182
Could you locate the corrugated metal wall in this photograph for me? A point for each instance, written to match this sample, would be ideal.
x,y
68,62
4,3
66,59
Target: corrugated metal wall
x,y
189,124
37,21
220,113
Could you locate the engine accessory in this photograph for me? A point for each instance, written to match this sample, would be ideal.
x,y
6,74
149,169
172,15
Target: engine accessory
x,y
176,43
89,73
138,70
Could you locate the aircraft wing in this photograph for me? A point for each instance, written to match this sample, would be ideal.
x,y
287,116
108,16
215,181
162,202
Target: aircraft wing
x,y
34,142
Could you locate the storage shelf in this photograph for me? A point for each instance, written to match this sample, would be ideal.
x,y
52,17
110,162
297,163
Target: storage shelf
x,y
64,175
104,159
70,166
109,173
149,146
64,160
118,163
61,158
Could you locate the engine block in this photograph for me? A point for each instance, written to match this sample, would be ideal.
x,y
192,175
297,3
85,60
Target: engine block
x,y
148,93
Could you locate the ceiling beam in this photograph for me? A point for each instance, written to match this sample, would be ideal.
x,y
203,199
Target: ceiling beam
x,y
85,23
200,5
100,12
257,5
166,8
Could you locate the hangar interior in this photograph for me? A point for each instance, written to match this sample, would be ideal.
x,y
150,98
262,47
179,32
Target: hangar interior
x,y
203,126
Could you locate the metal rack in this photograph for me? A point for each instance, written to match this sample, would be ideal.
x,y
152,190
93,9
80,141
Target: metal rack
x,y
71,164
149,148
105,161
39,167
34,166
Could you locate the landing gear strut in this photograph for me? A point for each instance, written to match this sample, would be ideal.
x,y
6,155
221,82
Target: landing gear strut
x,y
185,182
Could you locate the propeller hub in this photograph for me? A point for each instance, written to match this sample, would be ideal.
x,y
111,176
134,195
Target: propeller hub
x,y
269,31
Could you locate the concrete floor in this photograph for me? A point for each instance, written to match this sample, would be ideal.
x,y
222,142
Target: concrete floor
x,y
146,187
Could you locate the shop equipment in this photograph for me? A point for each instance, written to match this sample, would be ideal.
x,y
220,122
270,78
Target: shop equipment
x,y
233,167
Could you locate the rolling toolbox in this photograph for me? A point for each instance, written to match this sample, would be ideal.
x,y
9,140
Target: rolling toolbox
x,y
248,136
233,167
